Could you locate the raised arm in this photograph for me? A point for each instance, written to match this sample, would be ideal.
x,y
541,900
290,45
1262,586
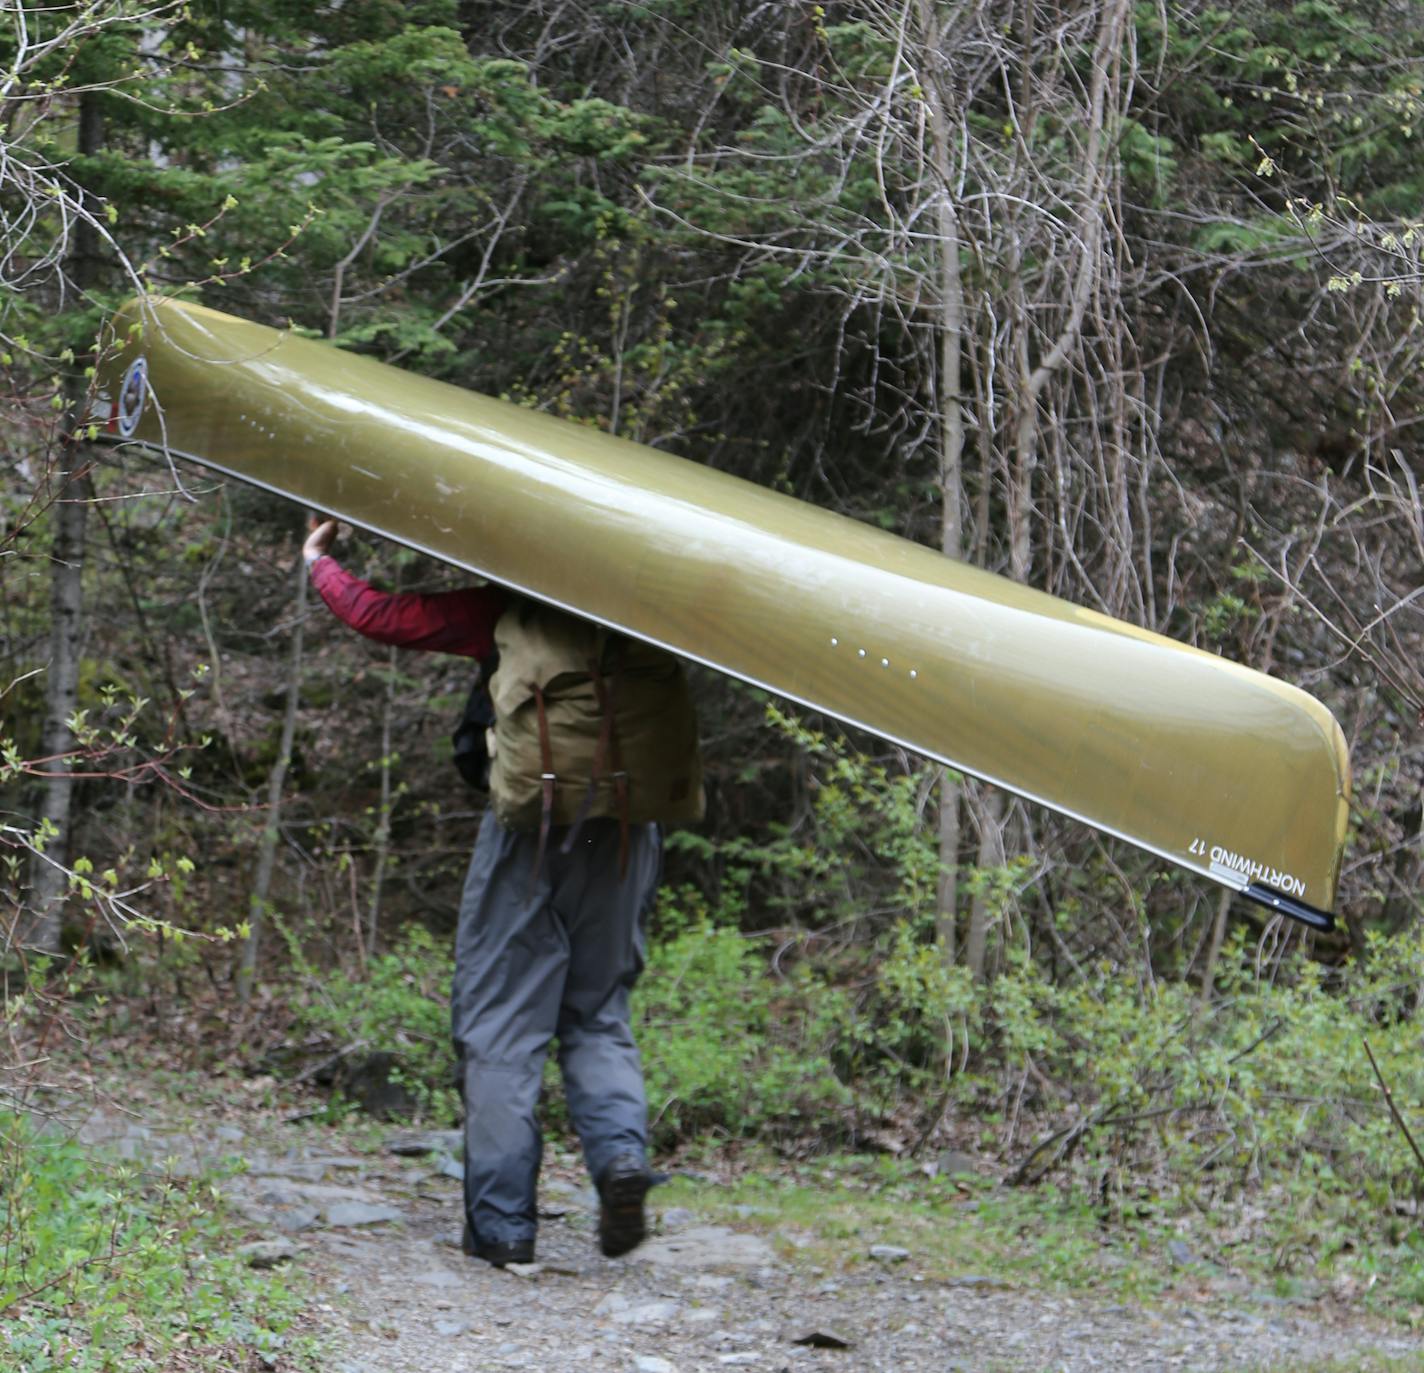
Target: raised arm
x,y
460,622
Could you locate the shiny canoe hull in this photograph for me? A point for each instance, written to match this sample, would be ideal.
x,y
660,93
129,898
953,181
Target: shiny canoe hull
x,y
1223,770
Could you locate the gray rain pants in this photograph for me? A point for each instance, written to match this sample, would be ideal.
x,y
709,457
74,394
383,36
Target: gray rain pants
x,y
540,955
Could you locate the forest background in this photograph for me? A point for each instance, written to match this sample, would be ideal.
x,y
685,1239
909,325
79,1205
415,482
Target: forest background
x,y
1119,300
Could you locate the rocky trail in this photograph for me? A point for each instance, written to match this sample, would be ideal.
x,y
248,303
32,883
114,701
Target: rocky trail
x,y
377,1234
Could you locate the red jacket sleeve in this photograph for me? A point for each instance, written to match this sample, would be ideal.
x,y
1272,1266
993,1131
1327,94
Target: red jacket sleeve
x,y
460,622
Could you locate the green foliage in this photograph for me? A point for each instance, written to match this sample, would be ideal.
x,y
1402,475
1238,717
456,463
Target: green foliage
x,y
856,882
1265,1086
1326,92
726,1047
1148,159
1225,615
1161,1115
864,850
104,1265
399,1006
1244,236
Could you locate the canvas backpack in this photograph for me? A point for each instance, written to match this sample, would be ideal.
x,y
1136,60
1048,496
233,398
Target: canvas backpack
x,y
588,723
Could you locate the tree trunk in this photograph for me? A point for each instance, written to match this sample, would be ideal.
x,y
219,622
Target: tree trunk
x,y
276,780
70,490
949,332
1088,273
989,812
1033,377
383,823
1218,933
49,883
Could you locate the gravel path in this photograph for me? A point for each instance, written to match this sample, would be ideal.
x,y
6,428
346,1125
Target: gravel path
x,y
379,1235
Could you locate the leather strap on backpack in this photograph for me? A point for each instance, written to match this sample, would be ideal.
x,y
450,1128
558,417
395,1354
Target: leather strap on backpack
x,y
547,778
607,752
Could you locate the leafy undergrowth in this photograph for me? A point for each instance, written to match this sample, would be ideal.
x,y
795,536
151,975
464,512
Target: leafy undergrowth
x,y
106,1264
1137,1122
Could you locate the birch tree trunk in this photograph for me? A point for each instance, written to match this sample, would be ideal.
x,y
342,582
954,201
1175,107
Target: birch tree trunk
x,y
70,490
48,883
276,780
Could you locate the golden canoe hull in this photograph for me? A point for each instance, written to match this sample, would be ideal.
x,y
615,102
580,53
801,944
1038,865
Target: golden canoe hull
x,y
1223,770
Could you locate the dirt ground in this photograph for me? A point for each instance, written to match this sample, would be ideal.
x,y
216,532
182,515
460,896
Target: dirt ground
x,y
377,1234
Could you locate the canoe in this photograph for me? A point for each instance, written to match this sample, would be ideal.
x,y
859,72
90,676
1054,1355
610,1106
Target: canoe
x,y
1235,775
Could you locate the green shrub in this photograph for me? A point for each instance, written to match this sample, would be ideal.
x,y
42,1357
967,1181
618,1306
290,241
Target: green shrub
x,y
103,1266
399,1007
1265,1083
726,1046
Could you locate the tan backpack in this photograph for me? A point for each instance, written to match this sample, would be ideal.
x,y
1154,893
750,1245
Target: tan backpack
x,y
588,723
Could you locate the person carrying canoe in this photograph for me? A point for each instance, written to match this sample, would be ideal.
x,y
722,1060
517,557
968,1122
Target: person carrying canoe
x,y
594,746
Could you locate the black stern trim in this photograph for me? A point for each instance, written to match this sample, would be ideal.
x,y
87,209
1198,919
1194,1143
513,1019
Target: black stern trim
x,y
1273,899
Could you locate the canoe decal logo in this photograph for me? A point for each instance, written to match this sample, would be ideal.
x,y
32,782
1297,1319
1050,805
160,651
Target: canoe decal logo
x,y
132,395
1227,863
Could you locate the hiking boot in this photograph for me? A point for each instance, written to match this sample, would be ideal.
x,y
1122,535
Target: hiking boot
x,y
497,1255
622,1186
